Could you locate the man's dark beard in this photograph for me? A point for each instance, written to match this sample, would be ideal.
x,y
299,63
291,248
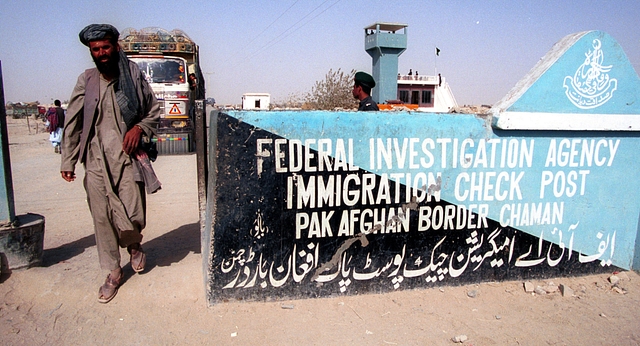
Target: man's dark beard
x,y
111,66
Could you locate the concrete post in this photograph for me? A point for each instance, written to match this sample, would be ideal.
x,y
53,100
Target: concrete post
x,y
21,238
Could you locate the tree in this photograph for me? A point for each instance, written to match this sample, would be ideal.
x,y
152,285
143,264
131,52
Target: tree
x,y
332,92
292,101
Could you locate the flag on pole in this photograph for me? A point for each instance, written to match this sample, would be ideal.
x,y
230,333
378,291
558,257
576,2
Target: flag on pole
x,y
437,51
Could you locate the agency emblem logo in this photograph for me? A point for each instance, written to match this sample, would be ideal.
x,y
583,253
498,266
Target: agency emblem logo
x,y
591,87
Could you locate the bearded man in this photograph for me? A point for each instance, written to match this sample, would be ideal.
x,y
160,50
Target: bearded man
x,y
111,108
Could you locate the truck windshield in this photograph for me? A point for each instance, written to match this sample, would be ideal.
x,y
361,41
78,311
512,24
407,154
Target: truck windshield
x,y
162,70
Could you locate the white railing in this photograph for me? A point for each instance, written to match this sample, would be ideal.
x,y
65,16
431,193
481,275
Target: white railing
x,y
432,79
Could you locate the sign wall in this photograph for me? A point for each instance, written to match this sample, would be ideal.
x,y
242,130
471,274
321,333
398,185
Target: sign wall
x,y
319,203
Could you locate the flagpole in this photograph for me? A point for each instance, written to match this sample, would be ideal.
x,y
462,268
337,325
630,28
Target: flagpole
x,y
435,64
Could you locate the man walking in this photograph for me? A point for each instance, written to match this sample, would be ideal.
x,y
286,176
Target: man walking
x,y
363,83
110,109
55,119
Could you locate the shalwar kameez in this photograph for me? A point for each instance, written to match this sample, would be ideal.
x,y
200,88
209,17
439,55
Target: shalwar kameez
x,y
115,190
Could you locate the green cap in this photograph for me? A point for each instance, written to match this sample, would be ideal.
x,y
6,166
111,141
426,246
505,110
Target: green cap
x,y
365,79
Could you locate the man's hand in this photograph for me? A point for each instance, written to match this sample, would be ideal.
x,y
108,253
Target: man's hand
x,y
68,176
132,139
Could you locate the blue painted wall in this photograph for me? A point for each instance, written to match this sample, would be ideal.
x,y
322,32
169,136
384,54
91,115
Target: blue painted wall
x,y
589,73
317,203
588,173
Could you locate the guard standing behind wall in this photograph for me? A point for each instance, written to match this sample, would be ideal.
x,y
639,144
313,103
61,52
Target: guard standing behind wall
x,y
363,83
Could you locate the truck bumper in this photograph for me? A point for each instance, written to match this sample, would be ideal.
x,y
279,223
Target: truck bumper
x,y
174,140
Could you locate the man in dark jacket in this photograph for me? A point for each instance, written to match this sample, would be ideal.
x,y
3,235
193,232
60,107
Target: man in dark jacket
x,y
363,83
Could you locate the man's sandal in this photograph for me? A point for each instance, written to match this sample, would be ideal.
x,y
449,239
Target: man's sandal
x,y
109,289
138,260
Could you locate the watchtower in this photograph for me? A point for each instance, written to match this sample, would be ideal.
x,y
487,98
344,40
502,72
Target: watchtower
x,y
385,42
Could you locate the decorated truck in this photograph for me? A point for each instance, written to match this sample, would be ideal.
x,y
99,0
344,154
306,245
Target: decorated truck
x,y
170,62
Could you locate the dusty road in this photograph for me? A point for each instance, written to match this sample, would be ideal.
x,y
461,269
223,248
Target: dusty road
x,y
56,304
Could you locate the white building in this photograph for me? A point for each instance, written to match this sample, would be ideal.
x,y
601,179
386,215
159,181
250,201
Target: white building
x,y
428,93
256,101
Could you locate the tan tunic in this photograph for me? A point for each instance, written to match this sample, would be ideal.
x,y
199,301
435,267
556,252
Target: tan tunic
x,y
116,200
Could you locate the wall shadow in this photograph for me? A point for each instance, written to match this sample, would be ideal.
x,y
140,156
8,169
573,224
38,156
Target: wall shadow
x,y
67,251
5,272
162,251
172,246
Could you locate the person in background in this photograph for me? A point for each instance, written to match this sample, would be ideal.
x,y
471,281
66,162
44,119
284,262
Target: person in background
x,y
193,85
363,83
112,106
196,92
193,82
55,119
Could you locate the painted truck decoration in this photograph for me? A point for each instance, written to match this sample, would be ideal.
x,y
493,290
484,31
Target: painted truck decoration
x,y
307,204
166,58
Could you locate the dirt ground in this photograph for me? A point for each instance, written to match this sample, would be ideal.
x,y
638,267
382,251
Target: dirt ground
x,y
56,304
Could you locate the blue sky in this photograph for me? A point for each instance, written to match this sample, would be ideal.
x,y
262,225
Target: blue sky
x,y
283,47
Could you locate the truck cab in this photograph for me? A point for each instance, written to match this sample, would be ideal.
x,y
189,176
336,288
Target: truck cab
x,y
167,58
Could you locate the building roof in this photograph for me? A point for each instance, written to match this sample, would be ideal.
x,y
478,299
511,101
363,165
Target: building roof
x,y
387,26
